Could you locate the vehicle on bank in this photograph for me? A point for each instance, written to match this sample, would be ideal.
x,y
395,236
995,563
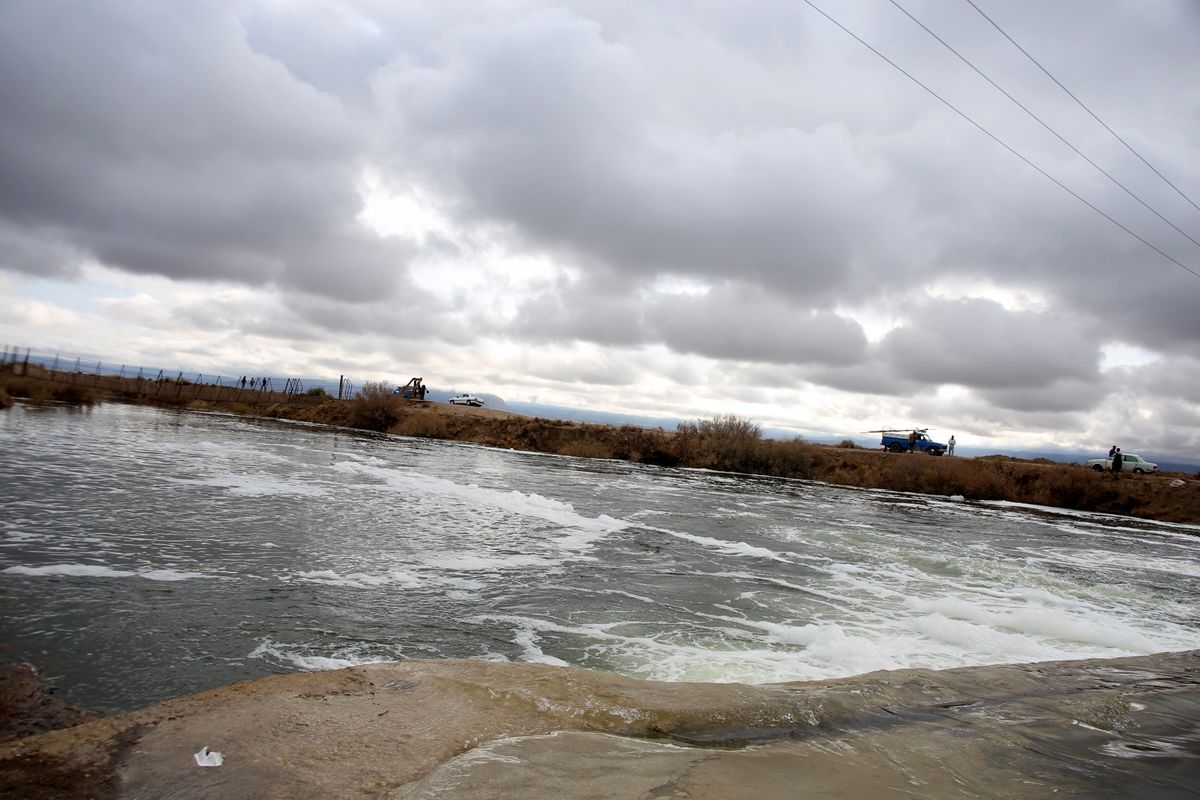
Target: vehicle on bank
x,y
1130,462
898,440
466,400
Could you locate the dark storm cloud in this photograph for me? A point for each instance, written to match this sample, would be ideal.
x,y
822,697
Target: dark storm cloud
x,y
840,183
150,136
755,151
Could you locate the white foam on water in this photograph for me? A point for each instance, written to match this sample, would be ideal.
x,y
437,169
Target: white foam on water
x,y
256,485
735,512
739,549
310,663
358,580
419,577
579,531
98,571
475,562
1133,562
1054,629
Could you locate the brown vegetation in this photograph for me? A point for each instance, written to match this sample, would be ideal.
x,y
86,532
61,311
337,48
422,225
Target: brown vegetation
x,y
726,443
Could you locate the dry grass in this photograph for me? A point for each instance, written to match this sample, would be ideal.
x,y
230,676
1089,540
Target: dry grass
x,y
41,391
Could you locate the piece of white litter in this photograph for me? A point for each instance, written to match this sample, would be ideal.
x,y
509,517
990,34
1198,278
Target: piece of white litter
x,y
957,497
1176,482
205,758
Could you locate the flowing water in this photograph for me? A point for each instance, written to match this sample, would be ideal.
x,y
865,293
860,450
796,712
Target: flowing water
x,y
146,554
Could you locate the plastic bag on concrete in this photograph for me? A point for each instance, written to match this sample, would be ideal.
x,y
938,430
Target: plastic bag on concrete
x,y
206,758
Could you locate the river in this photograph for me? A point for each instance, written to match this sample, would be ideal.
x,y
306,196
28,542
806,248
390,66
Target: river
x,y
146,554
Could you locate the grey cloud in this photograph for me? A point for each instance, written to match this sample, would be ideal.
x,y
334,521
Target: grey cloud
x,y
744,324
37,253
978,343
1177,379
150,136
732,322
588,310
1070,395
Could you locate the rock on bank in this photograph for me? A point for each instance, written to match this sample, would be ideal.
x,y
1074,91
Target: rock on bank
x,y
470,729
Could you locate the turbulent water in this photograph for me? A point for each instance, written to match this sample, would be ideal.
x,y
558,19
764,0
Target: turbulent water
x,y
146,554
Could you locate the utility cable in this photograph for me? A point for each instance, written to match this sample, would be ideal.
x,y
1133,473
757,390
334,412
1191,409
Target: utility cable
x,y
1071,94
997,139
1041,122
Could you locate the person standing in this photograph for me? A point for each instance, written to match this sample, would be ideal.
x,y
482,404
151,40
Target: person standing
x,y
1112,451
950,446
1116,463
912,441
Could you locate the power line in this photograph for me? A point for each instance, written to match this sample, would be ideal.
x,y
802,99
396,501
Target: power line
x,y
1071,94
997,139
1041,122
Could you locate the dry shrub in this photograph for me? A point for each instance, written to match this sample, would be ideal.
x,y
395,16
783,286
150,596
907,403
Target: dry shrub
x,y
45,391
725,442
644,445
374,408
791,459
5,400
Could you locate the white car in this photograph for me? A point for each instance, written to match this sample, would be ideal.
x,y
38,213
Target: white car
x,y
1130,462
465,400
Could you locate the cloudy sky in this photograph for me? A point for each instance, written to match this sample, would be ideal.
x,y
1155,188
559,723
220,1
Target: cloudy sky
x,y
669,208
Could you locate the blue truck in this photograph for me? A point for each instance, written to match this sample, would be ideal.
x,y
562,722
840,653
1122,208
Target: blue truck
x,y
910,439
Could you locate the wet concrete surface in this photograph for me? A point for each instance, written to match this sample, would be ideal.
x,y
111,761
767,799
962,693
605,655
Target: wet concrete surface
x,y
419,730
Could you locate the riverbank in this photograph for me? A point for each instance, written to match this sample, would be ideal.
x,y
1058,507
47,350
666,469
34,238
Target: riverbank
x,y
418,730
724,443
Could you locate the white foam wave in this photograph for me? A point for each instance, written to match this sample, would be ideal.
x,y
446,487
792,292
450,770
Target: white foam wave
x,y
579,531
98,571
722,545
257,485
474,562
1133,562
310,663
358,580
1090,629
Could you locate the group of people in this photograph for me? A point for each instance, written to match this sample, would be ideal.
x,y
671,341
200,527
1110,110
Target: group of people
x,y
1114,455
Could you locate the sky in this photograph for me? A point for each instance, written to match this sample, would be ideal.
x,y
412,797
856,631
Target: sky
x,y
668,209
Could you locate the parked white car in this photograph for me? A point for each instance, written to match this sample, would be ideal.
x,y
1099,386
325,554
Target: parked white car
x,y
1130,462
466,400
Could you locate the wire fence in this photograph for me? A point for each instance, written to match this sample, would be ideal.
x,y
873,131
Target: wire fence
x,y
164,384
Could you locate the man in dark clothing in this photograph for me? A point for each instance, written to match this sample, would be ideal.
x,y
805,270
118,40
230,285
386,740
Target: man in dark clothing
x,y
1116,463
